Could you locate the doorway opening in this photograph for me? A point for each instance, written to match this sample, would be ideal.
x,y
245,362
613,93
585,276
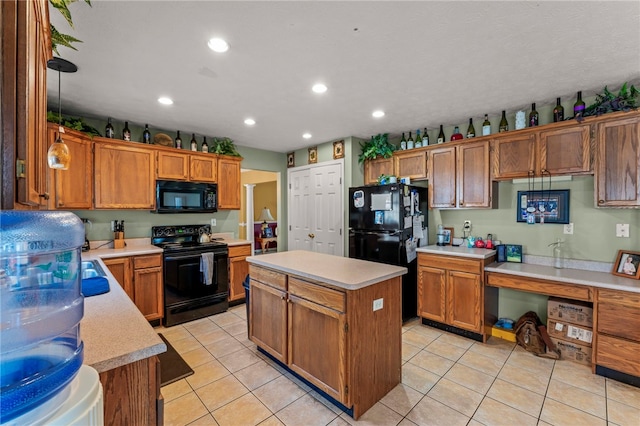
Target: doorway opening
x,y
260,209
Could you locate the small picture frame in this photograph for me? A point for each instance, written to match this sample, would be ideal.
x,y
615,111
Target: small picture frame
x,y
268,233
627,264
338,150
448,235
291,159
514,253
313,155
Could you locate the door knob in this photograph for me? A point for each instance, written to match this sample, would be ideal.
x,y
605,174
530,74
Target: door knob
x,y
312,235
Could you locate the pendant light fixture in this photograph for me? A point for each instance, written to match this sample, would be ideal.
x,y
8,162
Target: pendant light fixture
x,y
58,155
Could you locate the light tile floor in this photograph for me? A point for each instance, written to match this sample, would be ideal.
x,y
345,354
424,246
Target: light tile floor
x,y
446,380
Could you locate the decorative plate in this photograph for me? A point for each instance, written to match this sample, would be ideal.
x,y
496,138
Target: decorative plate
x,y
162,139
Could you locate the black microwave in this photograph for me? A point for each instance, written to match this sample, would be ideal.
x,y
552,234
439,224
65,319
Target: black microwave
x,y
186,197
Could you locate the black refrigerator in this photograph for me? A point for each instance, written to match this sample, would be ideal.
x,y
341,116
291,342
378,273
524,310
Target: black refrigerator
x,y
386,224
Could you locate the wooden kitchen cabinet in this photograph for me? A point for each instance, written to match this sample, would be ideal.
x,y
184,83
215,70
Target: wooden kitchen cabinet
x,y
617,179
203,168
141,279
450,291
459,176
229,188
74,186
268,311
173,165
124,175
410,163
514,156
238,270
374,168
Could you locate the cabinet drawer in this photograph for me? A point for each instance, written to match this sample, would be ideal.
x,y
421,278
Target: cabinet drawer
x,y
620,298
619,320
269,277
618,354
451,263
152,261
549,288
236,251
324,296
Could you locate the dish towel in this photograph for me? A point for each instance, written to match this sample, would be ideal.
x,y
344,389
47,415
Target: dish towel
x,y
206,267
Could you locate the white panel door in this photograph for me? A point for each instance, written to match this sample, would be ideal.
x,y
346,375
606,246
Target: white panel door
x,y
316,211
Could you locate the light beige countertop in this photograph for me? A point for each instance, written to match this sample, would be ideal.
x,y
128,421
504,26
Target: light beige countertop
x,y
338,271
113,330
569,276
461,251
231,242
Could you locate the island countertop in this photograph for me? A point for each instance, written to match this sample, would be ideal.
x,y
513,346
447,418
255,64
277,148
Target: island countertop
x,y
113,330
338,271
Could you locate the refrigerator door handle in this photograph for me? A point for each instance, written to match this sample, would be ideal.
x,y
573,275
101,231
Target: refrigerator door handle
x,y
391,233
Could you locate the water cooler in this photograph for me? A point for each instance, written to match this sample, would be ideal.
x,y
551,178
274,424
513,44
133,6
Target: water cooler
x,y
42,379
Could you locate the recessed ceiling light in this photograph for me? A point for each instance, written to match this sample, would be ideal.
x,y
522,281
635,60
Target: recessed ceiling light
x,y
319,88
218,45
377,114
249,121
306,135
165,101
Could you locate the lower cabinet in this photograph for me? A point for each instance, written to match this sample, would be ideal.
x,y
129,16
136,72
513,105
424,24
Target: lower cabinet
x,y
132,394
450,291
238,270
141,279
329,336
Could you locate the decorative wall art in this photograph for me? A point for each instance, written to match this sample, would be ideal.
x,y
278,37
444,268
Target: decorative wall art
x,y
338,150
313,154
291,159
548,206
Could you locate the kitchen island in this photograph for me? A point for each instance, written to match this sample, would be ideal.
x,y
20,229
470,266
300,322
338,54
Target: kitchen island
x,y
335,322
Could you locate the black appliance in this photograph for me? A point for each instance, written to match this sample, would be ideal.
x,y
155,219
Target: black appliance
x,y
186,295
382,220
186,197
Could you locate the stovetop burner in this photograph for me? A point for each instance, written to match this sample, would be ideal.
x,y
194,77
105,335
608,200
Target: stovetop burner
x,y
183,237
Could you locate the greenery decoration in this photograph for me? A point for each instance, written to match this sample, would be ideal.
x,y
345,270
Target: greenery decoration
x,y
378,146
72,123
223,146
57,38
607,101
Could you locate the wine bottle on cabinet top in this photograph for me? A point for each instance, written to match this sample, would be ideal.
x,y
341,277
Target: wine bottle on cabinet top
x,y
205,146
486,126
533,116
194,144
441,135
558,112
403,142
456,134
146,135
504,124
418,143
126,133
471,131
108,130
425,138
178,143
578,107
410,144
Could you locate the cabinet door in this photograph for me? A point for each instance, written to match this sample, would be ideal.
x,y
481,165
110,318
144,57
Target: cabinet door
x,y
317,346
229,183
431,293
618,163
173,165
374,168
238,270
514,156
148,292
412,164
74,186
268,319
474,180
120,268
463,300
124,176
441,164
203,168
565,151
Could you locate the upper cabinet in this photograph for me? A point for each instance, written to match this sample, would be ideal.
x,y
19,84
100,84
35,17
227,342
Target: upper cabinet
x,y
173,165
411,163
229,192
374,168
203,168
124,175
618,162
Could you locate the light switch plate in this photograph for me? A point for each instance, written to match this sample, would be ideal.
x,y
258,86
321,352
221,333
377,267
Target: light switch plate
x,y
622,230
213,222
377,304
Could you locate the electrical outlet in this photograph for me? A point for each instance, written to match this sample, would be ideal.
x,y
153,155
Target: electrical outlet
x,y
568,228
377,304
213,222
467,226
622,230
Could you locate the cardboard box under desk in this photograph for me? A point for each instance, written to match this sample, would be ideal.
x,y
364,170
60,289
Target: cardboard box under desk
x,y
570,332
571,311
569,351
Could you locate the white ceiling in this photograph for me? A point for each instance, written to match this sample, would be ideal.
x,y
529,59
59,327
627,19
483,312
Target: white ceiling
x,y
423,62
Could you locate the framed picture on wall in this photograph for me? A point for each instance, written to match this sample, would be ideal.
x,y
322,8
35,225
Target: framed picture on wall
x,y
291,159
313,155
338,150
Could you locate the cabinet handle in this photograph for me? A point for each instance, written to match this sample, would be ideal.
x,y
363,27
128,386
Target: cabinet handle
x,y
312,235
461,203
45,196
600,201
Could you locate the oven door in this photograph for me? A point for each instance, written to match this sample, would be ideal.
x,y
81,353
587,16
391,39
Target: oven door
x,y
183,281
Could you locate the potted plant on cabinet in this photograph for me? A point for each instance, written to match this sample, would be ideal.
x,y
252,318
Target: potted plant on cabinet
x,y
378,146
